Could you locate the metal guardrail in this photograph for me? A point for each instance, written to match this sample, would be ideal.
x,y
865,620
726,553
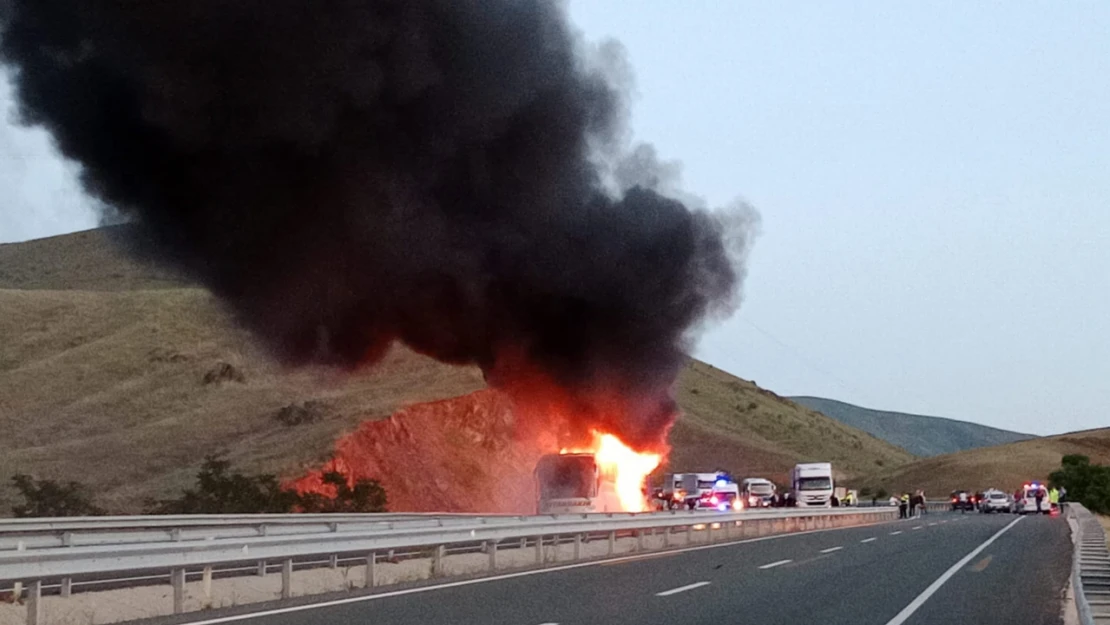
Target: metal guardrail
x,y
1090,568
27,534
367,539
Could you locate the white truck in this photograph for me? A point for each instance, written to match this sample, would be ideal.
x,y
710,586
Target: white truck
x,y
811,484
757,492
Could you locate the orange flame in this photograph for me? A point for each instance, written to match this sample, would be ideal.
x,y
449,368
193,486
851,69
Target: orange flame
x,y
624,467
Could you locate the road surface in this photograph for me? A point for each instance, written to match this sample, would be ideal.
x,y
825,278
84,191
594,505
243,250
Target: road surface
x,y
942,568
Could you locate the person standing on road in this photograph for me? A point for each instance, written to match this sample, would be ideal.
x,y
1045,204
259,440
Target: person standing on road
x,y
904,506
1053,499
1039,496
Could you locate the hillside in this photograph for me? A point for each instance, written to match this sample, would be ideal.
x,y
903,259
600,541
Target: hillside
x,y
124,378
1004,466
918,434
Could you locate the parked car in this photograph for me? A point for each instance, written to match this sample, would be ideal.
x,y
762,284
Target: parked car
x,y
994,500
963,501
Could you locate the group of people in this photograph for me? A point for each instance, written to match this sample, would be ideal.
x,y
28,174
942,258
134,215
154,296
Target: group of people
x,y
909,505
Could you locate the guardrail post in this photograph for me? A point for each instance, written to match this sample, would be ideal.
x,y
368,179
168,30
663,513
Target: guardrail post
x,y
493,555
206,586
523,543
577,546
34,603
286,578
689,534
437,560
333,561
371,570
261,572
67,586
177,580
539,549
667,536
612,542
67,539
709,532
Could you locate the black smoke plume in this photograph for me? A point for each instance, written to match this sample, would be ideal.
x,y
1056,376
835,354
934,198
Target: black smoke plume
x,y
347,173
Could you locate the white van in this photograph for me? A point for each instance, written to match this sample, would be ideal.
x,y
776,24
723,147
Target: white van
x,y
1028,502
811,484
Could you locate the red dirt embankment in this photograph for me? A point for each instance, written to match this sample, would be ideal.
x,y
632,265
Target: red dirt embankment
x,y
460,454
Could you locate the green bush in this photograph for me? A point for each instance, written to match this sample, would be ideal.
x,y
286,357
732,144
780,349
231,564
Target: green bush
x,y
47,498
364,496
220,491
1087,483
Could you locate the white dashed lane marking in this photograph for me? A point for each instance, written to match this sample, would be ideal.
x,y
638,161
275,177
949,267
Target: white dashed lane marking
x,y
774,564
675,591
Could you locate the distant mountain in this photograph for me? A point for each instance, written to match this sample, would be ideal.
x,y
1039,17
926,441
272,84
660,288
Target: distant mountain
x,y
917,434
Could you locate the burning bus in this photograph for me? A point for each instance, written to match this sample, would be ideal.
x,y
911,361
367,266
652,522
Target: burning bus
x,y
573,483
606,476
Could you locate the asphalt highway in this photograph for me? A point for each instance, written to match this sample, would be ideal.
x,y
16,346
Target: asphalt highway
x,y
941,568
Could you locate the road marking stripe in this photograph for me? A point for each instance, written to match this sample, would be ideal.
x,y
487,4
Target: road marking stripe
x,y
675,591
896,533
495,578
932,524
774,564
917,527
914,605
867,540
831,549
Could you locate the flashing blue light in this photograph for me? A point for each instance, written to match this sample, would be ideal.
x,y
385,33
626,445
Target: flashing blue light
x,y
722,482
722,507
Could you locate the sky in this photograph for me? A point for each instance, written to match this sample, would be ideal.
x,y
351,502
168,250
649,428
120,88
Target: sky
x,y
933,180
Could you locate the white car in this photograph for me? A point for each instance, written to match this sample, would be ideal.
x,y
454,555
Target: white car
x,y
995,501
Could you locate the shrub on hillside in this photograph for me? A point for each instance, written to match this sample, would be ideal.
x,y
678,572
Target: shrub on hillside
x,y
47,498
296,414
363,496
220,491
224,372
1087,483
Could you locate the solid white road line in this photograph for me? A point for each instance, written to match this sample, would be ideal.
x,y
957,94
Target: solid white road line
x,y
868,540
914,605
774,564
896,533
831,549
675,591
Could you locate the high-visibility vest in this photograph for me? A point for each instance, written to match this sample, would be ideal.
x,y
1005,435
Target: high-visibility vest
x,y
1054,496
905,498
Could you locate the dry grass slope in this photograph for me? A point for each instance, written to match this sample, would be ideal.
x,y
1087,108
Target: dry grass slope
x,y
1004,466
102,380
733,424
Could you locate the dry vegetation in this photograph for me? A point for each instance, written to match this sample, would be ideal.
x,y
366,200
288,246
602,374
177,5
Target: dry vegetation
x,y
124,378
1003,466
